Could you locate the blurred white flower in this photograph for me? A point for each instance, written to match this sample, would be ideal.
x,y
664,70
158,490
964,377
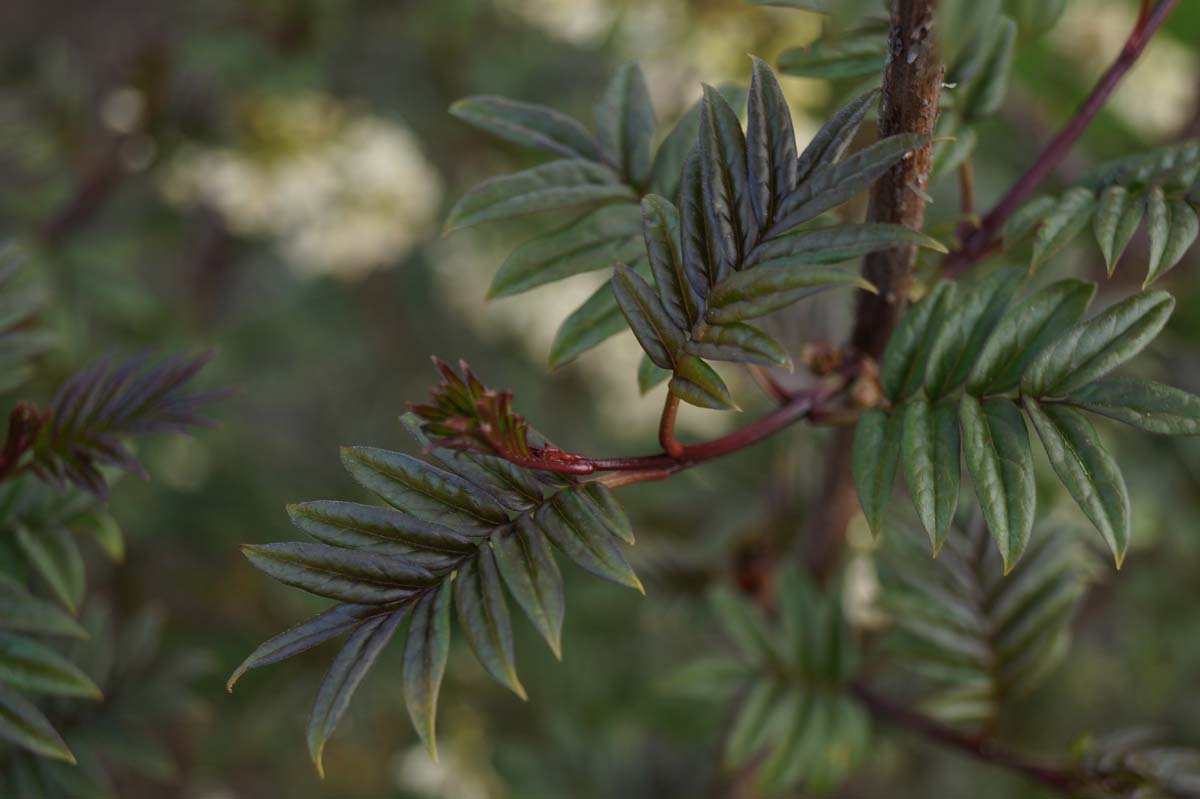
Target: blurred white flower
x,y
341,193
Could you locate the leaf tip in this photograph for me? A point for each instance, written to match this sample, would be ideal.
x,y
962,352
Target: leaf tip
x,y
866,285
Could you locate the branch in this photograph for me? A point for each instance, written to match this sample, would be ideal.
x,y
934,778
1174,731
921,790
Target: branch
x,y
978,241
1065,781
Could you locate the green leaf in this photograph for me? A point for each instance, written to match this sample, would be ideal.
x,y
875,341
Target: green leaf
x,y
1118,215
343,574
417,488
347,671
304,636
660,223
847,58
1069,216
55,556
31,667
596,241
104,528
528,125
644,312
986,92
1029,327
583,535
830,245
375,529
903,366
930,447
592,323
731,221
739,342
425,654
673,152
23,612
696,383
1093,348
819,6
23,725
604,503
546,187
948,156
533,578
877,437
770,143
625,123
1087,470
1030,216
996,444
707,678
755,722
966,330
1173,228
832,184
831,141
758,292
650,375
483,616
1143,404
744,625
697,249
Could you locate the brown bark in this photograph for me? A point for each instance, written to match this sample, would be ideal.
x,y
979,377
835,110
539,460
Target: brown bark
x,y
912,83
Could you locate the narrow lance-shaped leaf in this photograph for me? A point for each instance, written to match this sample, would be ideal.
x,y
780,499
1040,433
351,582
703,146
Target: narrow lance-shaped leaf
x,y
697,383
344,574
532,576
877,437
528,125
740,342
758,292
986,92
546,187
625,122
589,325
831,141
726,187
966,329
1029,217
24,612
483,617
903,366
655,331
1143,404
1118,214
850,58
752,727
996,445
930,447
32,667
595,241
370,527
660,223
1093,348
55,556
830,245
770,143
584,537
1029,327
649,375
425,653
698,251
347,671
1173,227
23,725
1088,471
1073,211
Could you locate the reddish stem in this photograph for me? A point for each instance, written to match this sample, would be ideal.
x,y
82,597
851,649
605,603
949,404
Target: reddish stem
x,y
983,239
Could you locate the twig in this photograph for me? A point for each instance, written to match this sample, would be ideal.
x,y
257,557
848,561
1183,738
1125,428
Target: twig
x,y
982,239
666,427
966,187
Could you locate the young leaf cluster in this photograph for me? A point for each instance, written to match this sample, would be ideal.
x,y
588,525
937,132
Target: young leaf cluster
x,y
465,534
1032,357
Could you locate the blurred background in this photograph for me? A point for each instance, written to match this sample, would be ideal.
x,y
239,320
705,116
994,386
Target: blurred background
x,y
268,179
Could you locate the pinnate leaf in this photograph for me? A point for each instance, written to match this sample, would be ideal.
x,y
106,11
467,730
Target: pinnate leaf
x,y
425,652
343,574
1118,215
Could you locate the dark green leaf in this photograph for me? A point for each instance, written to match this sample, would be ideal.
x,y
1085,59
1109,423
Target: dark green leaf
x,y
758,292
347,671
770,144
932,467
546,187
423,490
604,504
1118,215
650,375
739,342
696,383
877,437
966,329
1029,327
625,122
847,58
1173,228
1144,404
660,223
344,574
831,141
533,578
55,556
370,527
708,678
1087,470
697,249
528,125
596,320
304,636
23,725
425,653
986,92
1069,216
830,245
596,241
483,616
754,723
655,331
23,612
903,366
1091,349
34,668
586,538
673,152
744,624
1024,221
731,221
998,456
